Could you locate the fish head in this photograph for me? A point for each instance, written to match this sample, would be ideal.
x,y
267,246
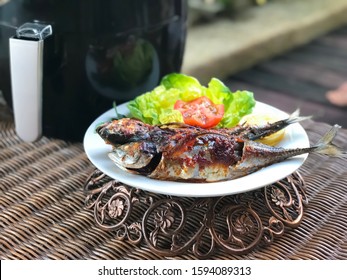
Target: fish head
x,y
136,157
118,132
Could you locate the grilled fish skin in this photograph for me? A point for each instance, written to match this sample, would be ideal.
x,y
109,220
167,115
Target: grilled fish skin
x,y
130,130
182,153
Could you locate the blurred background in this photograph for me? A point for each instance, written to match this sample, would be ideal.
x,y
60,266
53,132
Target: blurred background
x,y
289,53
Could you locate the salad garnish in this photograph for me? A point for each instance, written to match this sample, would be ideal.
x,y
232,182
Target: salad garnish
x,y
171,99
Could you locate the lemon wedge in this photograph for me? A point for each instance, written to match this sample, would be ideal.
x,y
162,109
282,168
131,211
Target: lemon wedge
x,y
260,119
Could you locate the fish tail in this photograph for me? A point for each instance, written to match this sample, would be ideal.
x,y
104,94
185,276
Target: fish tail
x,y
325,145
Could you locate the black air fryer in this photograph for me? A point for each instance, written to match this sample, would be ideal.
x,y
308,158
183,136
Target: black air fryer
x,y
64,62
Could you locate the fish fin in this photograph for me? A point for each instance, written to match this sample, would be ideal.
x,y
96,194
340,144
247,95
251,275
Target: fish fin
x,y
261,132
295,117
325,146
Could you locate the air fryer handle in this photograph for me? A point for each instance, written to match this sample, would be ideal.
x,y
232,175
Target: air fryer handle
x,y
26,62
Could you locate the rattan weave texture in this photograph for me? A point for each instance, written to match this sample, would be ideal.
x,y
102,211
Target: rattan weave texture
x,y
42,213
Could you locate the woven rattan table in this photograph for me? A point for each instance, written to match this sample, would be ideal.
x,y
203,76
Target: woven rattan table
x,y
43,214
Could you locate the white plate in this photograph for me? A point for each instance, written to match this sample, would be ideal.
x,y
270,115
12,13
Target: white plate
x,y
295,137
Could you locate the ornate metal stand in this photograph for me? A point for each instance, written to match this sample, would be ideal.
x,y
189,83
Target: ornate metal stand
x,y
171,226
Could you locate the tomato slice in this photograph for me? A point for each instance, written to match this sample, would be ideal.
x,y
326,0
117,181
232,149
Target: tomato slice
x,y
200,112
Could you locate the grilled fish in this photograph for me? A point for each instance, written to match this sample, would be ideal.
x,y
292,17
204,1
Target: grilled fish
x,y
179,152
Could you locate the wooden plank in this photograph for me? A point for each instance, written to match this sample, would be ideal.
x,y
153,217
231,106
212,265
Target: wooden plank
x,y
334,42
309,58
285,84
274,98
331,51
320,112
311,73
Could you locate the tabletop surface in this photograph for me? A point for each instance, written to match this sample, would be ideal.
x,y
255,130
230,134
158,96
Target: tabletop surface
x,y
43,213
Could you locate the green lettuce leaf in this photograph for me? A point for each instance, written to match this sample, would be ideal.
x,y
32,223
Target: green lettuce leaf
x,y
156,106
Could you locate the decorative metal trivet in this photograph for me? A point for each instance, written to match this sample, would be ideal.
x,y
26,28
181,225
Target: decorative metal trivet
x,y
171,226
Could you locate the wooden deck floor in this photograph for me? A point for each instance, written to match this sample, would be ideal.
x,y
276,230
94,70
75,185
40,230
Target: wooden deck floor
x,y
301,77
